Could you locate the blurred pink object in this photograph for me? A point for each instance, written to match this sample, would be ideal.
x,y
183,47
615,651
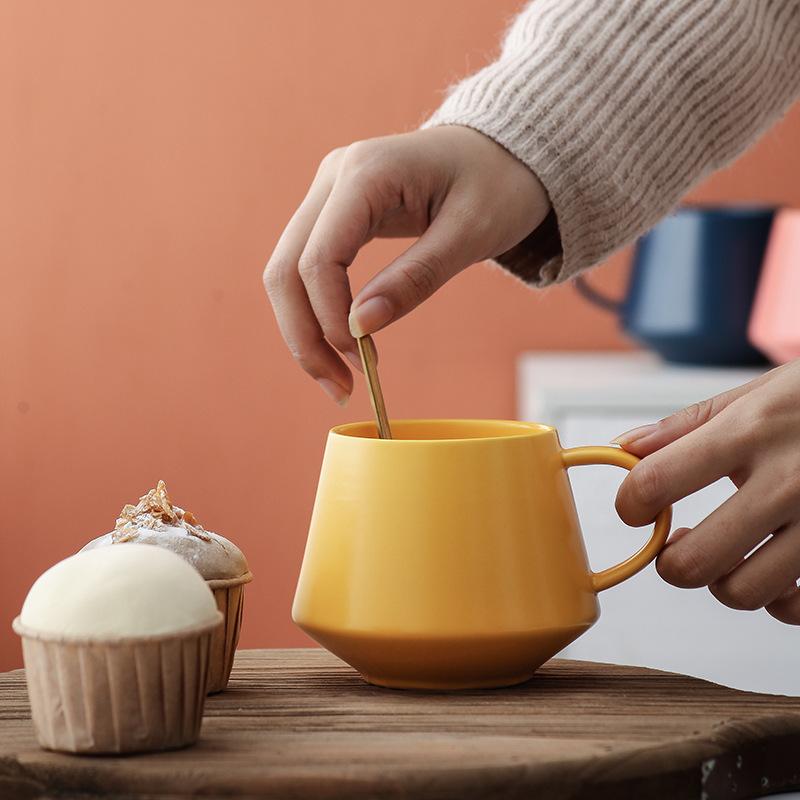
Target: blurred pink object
x,y
775,320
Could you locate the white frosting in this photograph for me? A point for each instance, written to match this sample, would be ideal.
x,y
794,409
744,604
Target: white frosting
x,y
134,590
215,557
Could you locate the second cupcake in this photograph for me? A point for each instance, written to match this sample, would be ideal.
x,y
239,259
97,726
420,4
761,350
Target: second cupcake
x,y
155,520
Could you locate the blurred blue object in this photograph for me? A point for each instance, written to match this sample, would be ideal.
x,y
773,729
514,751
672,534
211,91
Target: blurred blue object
x,y
692,285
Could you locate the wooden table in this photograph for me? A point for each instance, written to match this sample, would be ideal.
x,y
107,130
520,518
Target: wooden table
x,y
300,724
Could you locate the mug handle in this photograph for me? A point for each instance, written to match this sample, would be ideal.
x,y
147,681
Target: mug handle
x,y
579,456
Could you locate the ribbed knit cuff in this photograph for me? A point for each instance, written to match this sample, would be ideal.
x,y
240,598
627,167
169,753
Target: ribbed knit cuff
x,y
538,259
619,107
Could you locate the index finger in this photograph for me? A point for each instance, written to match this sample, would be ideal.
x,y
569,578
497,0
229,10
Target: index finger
x,y
340,231
679,469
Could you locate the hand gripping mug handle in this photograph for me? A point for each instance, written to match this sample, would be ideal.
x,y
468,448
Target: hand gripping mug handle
x,y
579,456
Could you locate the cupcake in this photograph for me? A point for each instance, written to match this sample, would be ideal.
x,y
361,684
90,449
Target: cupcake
x,y
116,646
155,520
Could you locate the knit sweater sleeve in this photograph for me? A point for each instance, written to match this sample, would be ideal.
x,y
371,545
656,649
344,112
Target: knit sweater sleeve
x,y
620,106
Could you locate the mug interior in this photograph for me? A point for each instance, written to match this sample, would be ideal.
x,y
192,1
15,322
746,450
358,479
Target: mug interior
x,y
426,430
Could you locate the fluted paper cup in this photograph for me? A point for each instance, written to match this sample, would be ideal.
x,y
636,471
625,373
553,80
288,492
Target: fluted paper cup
x,y
127,695
229,595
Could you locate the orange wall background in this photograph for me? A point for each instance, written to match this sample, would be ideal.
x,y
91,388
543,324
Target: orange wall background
x,y
149,156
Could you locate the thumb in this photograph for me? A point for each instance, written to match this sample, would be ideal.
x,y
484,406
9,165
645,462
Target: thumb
x,y
440,253
644,440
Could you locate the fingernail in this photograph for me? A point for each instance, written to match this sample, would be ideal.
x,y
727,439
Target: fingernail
x,y
370,315
354,358
635,434
334,391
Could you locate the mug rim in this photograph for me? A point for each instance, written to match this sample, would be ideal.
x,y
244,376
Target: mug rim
x,y
523,428
731,211
789,212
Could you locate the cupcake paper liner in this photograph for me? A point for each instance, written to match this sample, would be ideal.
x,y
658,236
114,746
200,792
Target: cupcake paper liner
x,y
229,595
117,696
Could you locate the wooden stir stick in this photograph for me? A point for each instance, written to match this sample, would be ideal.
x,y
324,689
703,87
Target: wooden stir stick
x,y
369,360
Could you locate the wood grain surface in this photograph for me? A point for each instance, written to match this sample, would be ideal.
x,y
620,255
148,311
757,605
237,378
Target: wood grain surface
x,y
301,724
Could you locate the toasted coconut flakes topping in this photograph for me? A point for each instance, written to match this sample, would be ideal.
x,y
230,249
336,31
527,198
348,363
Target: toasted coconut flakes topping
x,y
155,511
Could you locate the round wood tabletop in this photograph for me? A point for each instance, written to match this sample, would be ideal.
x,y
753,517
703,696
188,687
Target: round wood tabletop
x,y
301,724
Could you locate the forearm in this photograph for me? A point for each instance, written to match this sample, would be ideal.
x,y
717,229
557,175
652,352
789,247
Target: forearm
x,y
620,107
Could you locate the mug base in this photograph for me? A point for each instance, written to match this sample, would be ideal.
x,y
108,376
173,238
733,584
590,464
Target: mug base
x,y
499,682
446,663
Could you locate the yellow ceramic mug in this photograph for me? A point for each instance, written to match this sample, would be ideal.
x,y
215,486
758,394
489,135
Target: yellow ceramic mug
x,y
451,556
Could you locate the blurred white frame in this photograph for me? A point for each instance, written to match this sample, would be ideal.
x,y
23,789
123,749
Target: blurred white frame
x,y
590,398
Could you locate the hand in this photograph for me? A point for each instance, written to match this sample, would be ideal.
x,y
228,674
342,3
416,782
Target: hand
x,y
752,435
463,196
